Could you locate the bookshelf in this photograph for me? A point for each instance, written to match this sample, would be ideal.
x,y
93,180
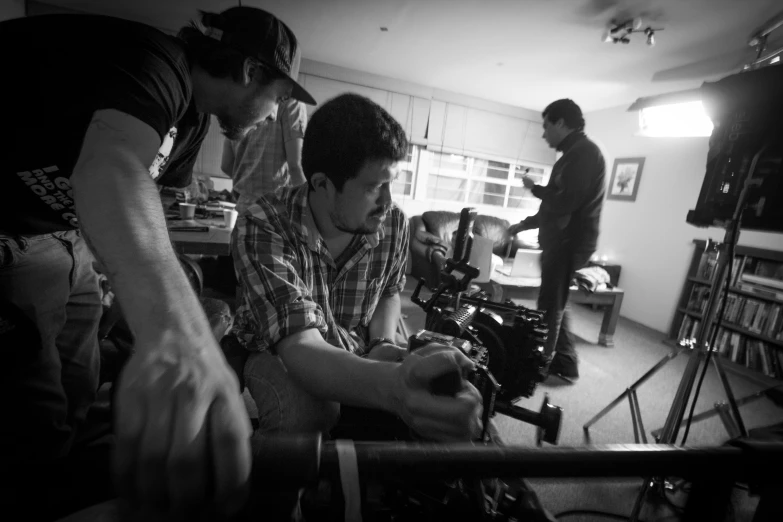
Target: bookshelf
x,y
751,332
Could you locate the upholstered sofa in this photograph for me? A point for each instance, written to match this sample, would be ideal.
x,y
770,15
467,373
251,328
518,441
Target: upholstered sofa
x,y
431,235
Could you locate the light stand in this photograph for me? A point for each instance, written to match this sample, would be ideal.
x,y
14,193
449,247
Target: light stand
x,y
700,351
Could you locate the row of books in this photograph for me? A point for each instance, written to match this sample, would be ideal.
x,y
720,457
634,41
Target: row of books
x,y
751,353
760,317
759,274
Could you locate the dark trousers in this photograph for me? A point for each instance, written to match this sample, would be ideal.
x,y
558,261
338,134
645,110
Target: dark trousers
x,y
50,307
558,264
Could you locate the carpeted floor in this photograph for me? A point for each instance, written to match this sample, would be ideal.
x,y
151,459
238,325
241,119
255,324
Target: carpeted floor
x,y
604,374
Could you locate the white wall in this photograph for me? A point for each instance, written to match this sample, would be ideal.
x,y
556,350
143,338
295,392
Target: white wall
x,y
11,9
649,237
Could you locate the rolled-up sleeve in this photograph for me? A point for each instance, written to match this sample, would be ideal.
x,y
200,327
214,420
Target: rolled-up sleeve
x,y
294,120
274,292
396,280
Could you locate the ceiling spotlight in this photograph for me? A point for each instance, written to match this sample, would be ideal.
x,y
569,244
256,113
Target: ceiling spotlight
x,y
650,32
620,32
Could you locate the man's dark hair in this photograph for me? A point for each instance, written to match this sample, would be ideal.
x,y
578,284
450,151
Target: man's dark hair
x,y
568,110
345,133
216,59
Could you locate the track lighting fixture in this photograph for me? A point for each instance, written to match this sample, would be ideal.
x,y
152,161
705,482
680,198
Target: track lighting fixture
x,y
620,32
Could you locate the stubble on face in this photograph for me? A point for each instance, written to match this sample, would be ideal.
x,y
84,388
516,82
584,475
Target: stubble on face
x,y
346,201
251,109
372,224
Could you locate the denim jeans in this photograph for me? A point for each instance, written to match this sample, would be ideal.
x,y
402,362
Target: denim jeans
x,y
50,306
558,264
283,405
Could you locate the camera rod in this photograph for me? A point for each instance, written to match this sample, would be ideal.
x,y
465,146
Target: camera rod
x,y
305,458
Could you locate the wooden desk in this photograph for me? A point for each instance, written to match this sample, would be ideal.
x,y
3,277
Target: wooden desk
x,y
506,287
215,242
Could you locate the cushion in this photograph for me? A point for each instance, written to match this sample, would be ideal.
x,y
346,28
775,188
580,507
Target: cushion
x,y
443,224
495,229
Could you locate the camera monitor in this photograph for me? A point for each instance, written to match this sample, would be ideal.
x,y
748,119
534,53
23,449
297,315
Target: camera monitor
x,y
463,241
747,111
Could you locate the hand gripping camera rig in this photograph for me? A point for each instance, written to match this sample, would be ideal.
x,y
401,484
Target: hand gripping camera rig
x,y
504,340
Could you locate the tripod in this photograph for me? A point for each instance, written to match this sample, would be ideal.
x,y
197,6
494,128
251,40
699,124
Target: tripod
x,y
699,351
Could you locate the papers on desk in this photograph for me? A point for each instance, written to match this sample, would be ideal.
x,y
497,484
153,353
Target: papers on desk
x,y
186,226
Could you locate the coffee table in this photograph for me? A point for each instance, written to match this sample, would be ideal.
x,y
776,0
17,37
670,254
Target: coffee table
x,y
507,287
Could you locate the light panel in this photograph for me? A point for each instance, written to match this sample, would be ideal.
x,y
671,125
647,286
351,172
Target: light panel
x,y
678,120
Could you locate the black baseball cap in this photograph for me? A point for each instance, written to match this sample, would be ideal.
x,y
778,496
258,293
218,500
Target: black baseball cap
x,y
259,34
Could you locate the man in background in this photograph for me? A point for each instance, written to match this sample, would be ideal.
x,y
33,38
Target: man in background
x,y
567,223
268,157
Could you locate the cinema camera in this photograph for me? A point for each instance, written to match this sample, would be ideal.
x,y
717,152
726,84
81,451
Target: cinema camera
x,y
505,341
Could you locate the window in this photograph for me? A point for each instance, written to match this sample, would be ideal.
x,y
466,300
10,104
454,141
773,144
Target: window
x,y
403,185
469,181
477,181
447,177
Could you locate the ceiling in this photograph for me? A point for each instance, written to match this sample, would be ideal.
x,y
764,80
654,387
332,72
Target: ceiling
x,y
525,53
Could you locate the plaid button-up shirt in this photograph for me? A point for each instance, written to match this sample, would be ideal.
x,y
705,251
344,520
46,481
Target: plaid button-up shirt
x,y
290,281
258,163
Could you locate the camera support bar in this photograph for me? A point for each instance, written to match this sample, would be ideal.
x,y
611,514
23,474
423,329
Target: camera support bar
x,y
713,471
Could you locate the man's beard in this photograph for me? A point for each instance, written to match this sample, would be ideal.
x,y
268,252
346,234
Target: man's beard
x,y
232,130
364,228
236,123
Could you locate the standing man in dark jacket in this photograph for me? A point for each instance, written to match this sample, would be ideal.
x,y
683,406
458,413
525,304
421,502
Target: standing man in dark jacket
x,y
567,222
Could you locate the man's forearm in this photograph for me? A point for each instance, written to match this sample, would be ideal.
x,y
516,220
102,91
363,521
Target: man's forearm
x,y
337,375
122,219
293,154
297,175
386,317
530,222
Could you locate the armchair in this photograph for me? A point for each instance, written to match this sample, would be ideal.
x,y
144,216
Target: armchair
x,y
430,242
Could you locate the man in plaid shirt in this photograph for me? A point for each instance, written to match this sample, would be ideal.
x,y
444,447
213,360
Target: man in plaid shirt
x,y
322,266
269,156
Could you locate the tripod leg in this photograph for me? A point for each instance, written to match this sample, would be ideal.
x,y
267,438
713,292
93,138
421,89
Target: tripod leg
x,y
652,371
637,506
730,395
637,412
672,425
714,411
728,422
634,421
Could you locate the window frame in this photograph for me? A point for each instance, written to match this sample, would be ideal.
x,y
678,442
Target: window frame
x,y
425,170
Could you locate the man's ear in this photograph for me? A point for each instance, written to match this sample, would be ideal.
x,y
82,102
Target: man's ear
x,y
319,181
250,71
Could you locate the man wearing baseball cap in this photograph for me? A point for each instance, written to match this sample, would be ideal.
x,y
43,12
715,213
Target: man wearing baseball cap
x,y
99,111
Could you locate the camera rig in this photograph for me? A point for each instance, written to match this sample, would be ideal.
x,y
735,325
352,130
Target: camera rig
x,y
504,340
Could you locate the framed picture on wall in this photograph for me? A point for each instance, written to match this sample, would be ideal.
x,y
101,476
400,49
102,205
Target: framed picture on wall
x,y
624,183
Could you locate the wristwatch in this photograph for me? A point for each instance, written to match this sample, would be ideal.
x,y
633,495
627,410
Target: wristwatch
x,y
375,341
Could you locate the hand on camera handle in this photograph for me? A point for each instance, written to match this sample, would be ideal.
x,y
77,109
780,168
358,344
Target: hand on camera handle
x,y
442,417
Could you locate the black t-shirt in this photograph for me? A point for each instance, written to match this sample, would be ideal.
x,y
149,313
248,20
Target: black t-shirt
x,y
57,71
